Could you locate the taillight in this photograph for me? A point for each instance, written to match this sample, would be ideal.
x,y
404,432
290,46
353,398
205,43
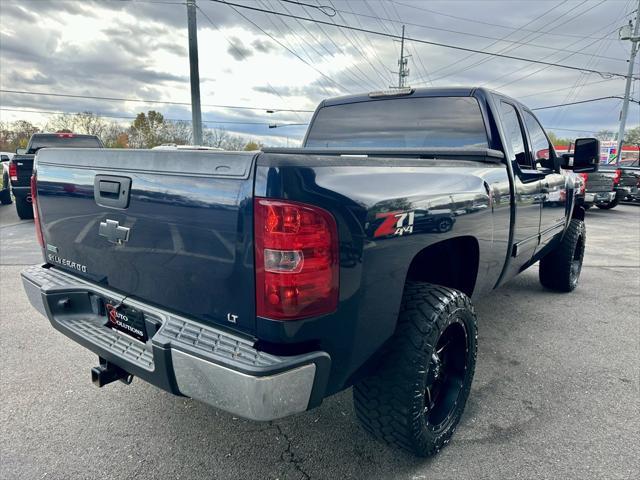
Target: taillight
x,y
34,204
296,253
617,177
13,172
584,177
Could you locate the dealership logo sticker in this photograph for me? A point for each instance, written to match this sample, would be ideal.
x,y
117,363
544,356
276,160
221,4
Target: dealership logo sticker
x,y
395,223
121,320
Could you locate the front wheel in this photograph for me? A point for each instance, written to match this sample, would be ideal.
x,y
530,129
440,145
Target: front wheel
x,y
414,401
560,269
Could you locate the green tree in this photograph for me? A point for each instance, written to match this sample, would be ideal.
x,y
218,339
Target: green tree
x,y
632,137
16,134
147,130
253,145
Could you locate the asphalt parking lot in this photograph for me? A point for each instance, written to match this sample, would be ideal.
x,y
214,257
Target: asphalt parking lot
x,y
556,392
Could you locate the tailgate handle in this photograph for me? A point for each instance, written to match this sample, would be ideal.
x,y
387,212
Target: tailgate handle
x,y
109,189
112,191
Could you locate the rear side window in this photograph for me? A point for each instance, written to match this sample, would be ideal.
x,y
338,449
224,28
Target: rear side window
x,y
427,122
513,133
540,147
63,141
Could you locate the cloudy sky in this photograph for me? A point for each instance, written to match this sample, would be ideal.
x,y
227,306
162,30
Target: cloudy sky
x,y
137,49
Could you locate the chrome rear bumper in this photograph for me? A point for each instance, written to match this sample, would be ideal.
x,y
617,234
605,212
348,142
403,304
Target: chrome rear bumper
x,y
183,356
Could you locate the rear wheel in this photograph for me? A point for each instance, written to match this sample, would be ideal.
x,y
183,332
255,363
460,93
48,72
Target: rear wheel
x,y
560,269
414,401
24,208
609,206
5,197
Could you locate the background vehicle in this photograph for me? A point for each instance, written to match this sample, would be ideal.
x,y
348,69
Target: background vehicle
x,y
625,179
5,185
599,190
261,283
21,165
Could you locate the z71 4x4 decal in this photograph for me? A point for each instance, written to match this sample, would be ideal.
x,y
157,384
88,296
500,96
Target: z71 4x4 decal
x,y
394,223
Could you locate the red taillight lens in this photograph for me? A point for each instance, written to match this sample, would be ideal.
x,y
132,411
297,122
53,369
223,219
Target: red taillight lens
x,y
13,172
296,250
584,178
34,204
617,177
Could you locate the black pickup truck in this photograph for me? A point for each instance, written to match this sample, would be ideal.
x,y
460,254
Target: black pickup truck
x,y
261,283
21,165
626,178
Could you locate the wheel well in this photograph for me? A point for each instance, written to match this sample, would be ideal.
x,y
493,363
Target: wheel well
x,y
578,212
451,263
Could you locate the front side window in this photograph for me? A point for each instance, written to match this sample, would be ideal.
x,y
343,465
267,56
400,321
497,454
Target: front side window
x,y
421,122
540,147
513,133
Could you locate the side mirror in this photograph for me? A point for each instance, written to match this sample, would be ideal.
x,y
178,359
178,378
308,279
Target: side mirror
x,y
4,158
21,151
586,155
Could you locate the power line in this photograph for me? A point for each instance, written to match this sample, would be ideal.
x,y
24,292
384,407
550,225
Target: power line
x,y
458,32
417,40
165,102
549,26
357,44
548,56
126,117
492,24
239,52
565,88
583,101
505,49
233,5
359,79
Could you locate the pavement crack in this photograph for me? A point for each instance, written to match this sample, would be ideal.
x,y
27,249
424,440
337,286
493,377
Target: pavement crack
x,y
288,456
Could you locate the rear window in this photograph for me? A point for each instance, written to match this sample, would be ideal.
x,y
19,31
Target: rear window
x,y
400,123
63,141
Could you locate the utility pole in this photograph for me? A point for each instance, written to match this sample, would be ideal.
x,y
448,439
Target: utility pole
x,y
625,34
196,114
403,71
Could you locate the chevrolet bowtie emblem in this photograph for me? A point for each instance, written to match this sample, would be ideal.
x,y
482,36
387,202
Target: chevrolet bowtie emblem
x,y
113,232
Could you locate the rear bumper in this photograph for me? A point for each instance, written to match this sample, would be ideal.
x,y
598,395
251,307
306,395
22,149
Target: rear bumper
x,y
599,197
184,357
21,191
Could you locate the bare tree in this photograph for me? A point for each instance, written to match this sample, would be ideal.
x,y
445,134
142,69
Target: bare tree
x,y
605,135
215,137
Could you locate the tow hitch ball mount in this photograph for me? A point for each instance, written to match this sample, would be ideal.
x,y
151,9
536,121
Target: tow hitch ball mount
x,y
107,373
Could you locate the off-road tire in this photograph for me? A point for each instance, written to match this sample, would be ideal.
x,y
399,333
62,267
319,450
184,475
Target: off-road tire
x,y
560,269
609,206
390,403
5,197
24,208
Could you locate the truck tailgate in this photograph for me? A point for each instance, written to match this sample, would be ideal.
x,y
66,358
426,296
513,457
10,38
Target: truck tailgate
x,y
172,228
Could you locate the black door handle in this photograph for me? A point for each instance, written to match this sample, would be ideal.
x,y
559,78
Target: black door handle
x,y
109,188
112,191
